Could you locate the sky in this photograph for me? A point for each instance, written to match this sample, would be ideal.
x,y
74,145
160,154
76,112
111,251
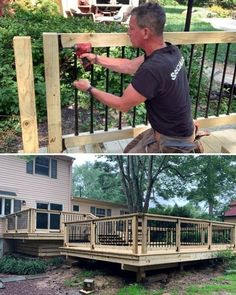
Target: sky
x,y
82,158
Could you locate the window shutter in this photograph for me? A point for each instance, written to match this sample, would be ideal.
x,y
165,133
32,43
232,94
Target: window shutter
x,y
53,168
17,205
30,167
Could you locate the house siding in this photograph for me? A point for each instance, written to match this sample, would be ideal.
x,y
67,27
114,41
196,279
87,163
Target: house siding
x,y
86,204
34,187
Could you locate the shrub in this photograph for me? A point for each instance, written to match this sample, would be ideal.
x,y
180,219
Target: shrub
x,y
12,265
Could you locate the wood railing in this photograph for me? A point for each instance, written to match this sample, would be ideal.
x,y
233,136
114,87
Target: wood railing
x,y
40,220
55,42
145,233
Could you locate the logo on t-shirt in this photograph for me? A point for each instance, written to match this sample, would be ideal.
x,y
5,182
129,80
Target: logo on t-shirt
x,y
177,69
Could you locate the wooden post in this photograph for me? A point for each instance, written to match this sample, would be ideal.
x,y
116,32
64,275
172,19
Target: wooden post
x,y
66,235
52,80
92,239
233,236
178,235
144,234
26,93
209,235
16,223
33,220
135,234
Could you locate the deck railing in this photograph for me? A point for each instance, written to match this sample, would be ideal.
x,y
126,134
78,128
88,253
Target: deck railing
x,y
40,220
144,233
205,53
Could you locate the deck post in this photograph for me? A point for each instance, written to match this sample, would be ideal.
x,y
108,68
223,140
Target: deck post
x,y
233,236
178,235
140,275
33,220
92,240
66,235
135,234
209,235
62,222
53,95
26,93
16,223
144,234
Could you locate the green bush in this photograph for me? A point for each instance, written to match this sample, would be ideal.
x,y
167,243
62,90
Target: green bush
x,y
12,265
23,23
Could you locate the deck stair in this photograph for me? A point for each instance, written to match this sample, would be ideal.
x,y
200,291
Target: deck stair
x,y
112,239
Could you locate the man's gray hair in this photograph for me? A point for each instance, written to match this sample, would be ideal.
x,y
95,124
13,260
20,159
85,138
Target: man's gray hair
x,y
150,15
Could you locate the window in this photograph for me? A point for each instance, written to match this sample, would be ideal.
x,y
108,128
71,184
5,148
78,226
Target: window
x,y
48,220
43,166
9,205
93,210
123,212
76,208
100,212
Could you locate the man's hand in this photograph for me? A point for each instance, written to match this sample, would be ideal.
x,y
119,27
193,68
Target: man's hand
x,y
82,84
90,56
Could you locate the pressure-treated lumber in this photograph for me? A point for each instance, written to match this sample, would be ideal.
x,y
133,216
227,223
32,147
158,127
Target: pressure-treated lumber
x,y
26,93
53,96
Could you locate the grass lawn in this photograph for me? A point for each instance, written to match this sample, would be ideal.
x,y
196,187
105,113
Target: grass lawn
x,y
221,285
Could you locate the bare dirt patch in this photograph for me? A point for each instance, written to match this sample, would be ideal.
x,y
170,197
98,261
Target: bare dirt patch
x,y
109,280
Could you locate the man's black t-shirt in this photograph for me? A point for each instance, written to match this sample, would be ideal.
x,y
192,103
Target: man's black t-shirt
x,y
162,80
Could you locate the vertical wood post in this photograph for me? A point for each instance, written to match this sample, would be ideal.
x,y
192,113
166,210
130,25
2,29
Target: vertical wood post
x,y
66,235
33,220
144,234
26,93
29,220
53,96
135,234
233,236
92,240
178,235
209,235
15,222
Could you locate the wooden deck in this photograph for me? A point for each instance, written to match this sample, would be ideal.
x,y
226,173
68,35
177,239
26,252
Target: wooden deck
x,y
221,141
141,242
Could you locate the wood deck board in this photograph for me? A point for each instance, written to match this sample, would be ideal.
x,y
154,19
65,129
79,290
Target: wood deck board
x,y
218,142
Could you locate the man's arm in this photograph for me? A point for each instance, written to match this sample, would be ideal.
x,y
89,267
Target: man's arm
x,y
129,99
120,65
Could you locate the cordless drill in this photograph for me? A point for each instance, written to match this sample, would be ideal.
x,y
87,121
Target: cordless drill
x,y
81,48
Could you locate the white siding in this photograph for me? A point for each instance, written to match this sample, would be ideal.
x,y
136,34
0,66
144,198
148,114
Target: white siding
x,y
34,187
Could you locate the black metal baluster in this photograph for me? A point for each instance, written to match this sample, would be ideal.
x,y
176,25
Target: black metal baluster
x,y
121,87
232,91
223,79
107,90
76,95
211,81
134,109
199,81
91,101
190,61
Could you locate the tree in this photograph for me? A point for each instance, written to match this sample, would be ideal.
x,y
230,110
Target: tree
x,y
215,184
140,176
97,181
208,181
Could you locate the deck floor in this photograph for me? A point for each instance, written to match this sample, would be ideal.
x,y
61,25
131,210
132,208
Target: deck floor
x,y
219,141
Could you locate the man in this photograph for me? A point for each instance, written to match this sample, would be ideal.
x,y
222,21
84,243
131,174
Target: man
x,y
159,80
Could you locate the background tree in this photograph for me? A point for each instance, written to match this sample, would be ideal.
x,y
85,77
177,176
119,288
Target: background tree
x,y
209,182
142,175
97,181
